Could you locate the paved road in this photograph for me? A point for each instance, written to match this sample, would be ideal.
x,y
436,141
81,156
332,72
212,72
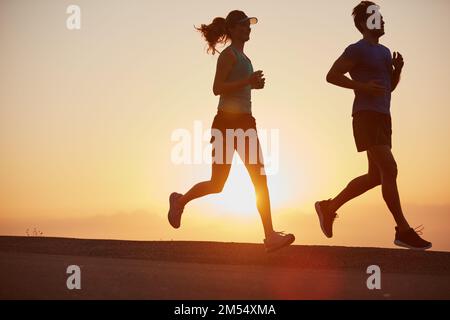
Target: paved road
x,y
43,276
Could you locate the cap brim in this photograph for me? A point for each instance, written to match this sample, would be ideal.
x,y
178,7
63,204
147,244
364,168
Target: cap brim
x,y
253,20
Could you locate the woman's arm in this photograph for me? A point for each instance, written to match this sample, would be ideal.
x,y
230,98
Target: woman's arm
x,y
225,63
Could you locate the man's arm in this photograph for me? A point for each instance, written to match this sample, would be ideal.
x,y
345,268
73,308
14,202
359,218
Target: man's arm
x,y
397,66
337,76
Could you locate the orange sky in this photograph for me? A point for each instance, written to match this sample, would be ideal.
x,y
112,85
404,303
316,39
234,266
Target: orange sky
x,y
86,118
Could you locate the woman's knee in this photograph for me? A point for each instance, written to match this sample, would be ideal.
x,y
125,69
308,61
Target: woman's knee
x,y
216,186
260,184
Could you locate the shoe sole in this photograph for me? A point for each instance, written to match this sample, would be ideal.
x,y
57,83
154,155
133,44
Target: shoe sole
x,y
282,245
405,245
320,214
172,198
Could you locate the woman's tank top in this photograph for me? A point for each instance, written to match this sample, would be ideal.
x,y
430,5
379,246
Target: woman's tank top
x,y
238,101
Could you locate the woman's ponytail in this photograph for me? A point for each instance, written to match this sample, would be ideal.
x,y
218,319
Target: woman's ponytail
x,y
214,33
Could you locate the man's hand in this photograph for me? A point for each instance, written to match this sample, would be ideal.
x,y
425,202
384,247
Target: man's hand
x,y
397,61
372,88
257,80
397,65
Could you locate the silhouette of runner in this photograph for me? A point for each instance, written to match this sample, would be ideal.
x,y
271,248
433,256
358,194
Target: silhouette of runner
x,y
234,124
374,75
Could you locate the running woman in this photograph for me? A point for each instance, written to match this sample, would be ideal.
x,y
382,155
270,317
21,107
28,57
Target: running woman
x,y
233,82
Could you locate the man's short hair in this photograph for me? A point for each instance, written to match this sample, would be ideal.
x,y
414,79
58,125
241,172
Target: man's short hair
x,y
360,14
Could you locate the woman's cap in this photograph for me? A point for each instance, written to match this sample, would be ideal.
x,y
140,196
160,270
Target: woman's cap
x,y
237,16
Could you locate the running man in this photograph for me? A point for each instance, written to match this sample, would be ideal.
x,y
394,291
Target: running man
x,y
375,73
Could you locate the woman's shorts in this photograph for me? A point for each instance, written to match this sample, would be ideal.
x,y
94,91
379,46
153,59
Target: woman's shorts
x,y
235,132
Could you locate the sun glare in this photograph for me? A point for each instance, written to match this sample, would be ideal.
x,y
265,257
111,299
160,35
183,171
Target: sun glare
x,y
238,196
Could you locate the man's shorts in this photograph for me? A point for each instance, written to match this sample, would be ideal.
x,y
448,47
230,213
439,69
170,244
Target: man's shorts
x,y
371,128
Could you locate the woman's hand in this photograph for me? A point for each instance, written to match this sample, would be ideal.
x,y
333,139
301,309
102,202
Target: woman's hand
x,y
257,80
